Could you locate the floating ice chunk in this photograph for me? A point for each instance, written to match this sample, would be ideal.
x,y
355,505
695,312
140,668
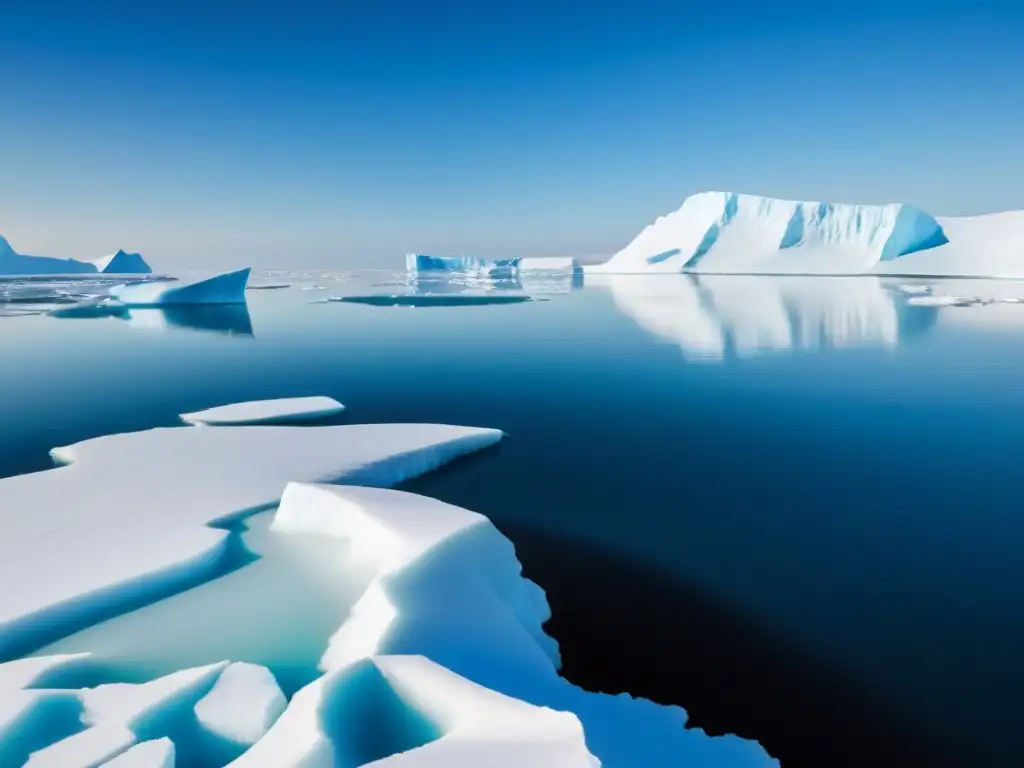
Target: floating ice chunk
x,y
130,704
86,749
914,290
432,300
268,286
156,753
243,704
226,288
285,409
128,520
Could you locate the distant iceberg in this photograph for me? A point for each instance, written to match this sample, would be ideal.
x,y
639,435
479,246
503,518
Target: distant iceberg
x,y
122,263
419,262
725,232
226,288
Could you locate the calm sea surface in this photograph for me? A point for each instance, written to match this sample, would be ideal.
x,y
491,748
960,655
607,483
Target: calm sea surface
x,y
806,491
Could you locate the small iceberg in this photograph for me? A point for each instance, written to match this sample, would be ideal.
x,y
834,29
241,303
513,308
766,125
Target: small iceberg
x,y
281,410
225,288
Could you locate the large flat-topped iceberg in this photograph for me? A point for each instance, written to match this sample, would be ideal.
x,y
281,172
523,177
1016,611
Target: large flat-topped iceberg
x,y
280,410
420,262
128,519
14,263
724,232
225,288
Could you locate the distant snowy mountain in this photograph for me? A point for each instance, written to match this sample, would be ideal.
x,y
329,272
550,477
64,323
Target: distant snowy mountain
x,y
726,232
120,263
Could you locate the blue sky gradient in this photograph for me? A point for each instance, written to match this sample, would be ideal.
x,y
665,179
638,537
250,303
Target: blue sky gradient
x,y
311,133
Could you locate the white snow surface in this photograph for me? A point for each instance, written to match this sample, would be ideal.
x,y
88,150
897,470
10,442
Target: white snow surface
x,y
224,288
155,753
288,409
243,704
130,513
725,232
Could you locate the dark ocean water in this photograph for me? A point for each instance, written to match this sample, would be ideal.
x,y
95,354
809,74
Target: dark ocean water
x,y
789,505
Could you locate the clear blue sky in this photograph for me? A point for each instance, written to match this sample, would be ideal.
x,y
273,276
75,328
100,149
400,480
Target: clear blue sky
x,y
316,133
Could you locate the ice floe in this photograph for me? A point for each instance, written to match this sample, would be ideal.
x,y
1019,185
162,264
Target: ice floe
x,y
441,662
285,409
243,704
129,518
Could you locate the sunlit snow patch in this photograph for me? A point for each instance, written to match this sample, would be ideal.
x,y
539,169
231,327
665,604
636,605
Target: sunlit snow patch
x,y
281,410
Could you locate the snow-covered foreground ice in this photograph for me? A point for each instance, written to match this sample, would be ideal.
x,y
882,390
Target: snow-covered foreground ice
x,y
129,518
725,232
438,658
285,409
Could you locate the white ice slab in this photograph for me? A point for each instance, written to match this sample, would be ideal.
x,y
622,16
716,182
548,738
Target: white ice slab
x,y
243,704
128,517
156,753
288,409
456,632
86,749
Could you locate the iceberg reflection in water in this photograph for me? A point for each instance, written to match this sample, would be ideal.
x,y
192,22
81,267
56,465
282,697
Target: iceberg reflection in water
x,y
226,319
712,317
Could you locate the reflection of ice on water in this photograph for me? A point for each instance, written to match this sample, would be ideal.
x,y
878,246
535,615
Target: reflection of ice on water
x,y
712,316
300,582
